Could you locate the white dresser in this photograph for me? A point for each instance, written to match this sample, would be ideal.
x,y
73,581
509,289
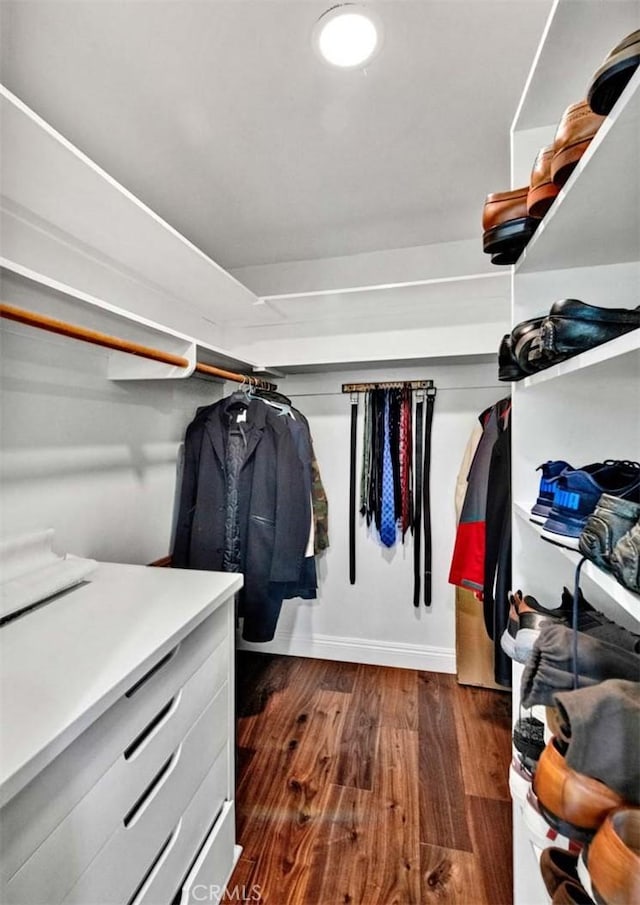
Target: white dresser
x,y
117,742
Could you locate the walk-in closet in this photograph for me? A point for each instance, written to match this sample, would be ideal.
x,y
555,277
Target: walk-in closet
x,y
320,428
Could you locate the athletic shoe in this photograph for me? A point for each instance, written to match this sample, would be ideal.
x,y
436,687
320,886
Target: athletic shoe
x,y
577,494
528,740
551,471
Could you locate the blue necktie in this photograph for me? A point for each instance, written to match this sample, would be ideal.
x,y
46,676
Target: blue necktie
x,y
387,517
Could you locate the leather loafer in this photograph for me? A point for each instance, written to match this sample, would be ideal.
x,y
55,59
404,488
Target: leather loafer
x,y
508,367
573,326
571,893
506,225
557,866
613,858
542,188
527,345
612,77
572,803
573,136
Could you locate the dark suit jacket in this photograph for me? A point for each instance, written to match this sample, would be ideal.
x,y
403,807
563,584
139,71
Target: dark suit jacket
x,y
274,510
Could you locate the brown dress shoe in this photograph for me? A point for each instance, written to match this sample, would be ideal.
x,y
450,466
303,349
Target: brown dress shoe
x,y
613,858
557,866
571,893
502,206
572,803
573,136
542,188
506,225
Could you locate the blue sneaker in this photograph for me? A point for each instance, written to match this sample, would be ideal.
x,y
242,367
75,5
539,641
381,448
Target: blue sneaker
x,y
551,471
577,494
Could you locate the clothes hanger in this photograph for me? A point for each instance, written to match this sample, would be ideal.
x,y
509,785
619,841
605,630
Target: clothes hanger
x,y
241,397
272,395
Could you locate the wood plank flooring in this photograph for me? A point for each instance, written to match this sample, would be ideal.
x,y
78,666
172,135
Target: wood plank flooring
x,y
366,785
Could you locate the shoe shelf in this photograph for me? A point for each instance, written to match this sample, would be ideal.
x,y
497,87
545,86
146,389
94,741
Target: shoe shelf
x,y
627,344
576,38
628,600
595,219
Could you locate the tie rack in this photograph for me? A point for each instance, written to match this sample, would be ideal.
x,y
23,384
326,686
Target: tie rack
x,y
389,385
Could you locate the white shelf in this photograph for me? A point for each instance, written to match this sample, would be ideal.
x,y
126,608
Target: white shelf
x,y
600,195
98,314
628,600
577,38
65,216
614,349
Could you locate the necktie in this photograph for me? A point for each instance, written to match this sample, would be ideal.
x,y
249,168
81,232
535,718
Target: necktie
x,y
405,461
387,519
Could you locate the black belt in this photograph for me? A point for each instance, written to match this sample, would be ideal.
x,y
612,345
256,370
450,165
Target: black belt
x,y
431,398
352,490
417,518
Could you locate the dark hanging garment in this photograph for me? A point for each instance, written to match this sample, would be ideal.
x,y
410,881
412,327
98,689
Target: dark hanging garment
x,y
497,563
271,518
467,563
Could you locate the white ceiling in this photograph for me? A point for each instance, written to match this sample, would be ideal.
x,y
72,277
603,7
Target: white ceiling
x,y
220,117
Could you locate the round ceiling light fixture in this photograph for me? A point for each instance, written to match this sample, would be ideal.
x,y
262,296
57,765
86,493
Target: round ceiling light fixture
x,y
347,35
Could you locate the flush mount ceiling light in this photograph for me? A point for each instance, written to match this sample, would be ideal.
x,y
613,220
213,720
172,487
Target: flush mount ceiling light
x,y
347,35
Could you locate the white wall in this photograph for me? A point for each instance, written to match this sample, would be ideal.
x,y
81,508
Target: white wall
x,y
375,621
96,460
91,458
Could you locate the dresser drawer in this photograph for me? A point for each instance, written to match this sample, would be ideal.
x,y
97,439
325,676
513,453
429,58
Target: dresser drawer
x,y
210,874
171,865
56,865
29,818
117,870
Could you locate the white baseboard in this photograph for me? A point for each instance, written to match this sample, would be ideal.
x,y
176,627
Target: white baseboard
x,y
360,650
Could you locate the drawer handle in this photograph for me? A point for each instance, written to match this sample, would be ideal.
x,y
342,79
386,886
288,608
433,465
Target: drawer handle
x,y
153,788
157,863
154,726
154,669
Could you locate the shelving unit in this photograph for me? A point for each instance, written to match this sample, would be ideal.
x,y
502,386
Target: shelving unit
x,y
624,598
608,224
628,344
587,247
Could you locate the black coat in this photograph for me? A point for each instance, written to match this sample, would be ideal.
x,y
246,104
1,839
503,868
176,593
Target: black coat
x,y
274,511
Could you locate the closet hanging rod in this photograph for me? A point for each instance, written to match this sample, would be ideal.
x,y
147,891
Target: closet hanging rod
x,y
238,378
73,331
53,325
391,384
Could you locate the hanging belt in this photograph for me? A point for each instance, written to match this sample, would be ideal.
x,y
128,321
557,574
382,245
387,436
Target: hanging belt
x,y
431,398
352,489
418,497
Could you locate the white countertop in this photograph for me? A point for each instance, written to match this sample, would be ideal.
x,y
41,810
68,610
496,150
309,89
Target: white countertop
x,y
63,664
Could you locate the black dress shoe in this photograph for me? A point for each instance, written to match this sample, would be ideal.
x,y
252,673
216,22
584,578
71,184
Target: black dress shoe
x,y
573,327
616,72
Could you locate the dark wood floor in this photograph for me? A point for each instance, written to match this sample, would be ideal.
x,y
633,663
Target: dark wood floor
x,y
367,785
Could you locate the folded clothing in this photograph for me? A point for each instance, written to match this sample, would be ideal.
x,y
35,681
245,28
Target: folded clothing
x,y
589,719
32,572
550,667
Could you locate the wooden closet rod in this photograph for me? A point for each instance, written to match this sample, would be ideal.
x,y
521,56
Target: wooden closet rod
x,y
392,384
238,378
53,325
